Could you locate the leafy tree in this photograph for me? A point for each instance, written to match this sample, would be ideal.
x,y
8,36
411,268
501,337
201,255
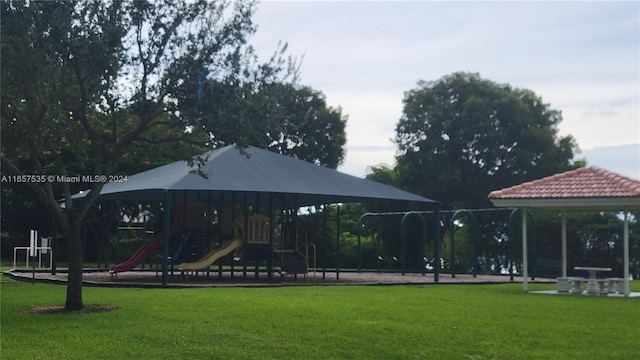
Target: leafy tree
x,y
304,126
285,118
85,84
383,174
462,136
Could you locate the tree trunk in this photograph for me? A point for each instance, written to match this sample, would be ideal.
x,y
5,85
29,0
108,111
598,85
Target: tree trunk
x,y
74,282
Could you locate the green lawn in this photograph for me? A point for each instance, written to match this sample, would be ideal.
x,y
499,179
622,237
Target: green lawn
x,y
321,322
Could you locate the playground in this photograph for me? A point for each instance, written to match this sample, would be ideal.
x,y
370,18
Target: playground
x,y
237,214
176,228
150,279
220,280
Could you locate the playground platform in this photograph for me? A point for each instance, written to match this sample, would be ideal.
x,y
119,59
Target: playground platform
x,y
214,278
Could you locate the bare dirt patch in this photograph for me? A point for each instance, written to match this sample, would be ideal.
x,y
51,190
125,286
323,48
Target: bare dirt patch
x,y
55,309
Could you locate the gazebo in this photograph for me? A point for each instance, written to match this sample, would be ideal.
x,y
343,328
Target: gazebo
x,y
583,189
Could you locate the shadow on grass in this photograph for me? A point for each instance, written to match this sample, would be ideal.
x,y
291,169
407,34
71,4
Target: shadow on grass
x,y
61,310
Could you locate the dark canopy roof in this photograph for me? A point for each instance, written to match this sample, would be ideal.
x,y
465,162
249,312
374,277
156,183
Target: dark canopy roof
x,y
258,172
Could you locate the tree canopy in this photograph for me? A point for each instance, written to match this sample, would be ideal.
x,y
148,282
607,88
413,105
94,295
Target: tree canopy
x,y
282,117
89,86
305,127
461,136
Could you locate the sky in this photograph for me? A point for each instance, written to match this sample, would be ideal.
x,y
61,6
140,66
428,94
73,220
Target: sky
x,y
582,58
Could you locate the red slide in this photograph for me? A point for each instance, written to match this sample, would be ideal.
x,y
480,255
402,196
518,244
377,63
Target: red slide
x,y
142,253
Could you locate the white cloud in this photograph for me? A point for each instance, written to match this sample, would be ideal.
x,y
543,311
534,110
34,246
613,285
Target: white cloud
x,y
581,57
622,159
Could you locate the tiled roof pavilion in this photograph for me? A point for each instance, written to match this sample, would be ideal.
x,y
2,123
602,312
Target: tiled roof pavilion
x,y
584,189
589,188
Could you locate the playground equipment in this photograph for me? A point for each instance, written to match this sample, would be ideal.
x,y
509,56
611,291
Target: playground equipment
x,y
257,234
44,252
183,249
474,241
143,252
196,219
203,227
133,225
292,250
257,239
472,252
400,257
212,256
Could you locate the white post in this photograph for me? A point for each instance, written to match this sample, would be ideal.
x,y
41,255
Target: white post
x,y
525,262
32,251
33,239
564,244
44,242
626,254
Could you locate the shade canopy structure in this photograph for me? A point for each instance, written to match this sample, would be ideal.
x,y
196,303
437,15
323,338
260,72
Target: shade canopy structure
x,y
584,189
252,178
257,173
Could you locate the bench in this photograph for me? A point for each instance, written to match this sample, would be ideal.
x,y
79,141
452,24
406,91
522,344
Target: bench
x,y
614,284
563,284
621,288
605,286
576,284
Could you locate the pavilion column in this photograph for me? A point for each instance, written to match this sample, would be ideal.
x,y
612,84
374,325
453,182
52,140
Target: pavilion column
x,y
525,260
564,244
626,254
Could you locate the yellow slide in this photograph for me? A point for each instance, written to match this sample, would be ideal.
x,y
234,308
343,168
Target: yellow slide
x,y
212,256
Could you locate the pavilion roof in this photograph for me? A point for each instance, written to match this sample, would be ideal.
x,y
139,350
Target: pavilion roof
x,y
584,188
262,175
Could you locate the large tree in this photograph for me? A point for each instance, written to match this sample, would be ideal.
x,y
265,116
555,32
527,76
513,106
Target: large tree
x,y
283,117
461,136
86,83
304,126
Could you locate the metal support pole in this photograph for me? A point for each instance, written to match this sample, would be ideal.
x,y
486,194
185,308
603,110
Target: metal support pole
x,y
324,242
54,250
436,268
233,219
165,245
245,236
452,261
116,255
338,243
525,262
271,229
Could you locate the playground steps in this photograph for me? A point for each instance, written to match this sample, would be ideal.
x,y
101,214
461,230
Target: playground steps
x,y
293,263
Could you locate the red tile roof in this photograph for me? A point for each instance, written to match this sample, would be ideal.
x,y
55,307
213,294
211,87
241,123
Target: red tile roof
x,y
590,182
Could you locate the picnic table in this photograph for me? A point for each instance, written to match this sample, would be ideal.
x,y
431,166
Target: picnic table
x,y
592,285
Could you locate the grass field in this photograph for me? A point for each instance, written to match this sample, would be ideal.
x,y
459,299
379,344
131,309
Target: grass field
x,y
321,322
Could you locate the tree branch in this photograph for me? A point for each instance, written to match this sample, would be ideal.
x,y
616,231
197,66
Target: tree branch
x,y
40,189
